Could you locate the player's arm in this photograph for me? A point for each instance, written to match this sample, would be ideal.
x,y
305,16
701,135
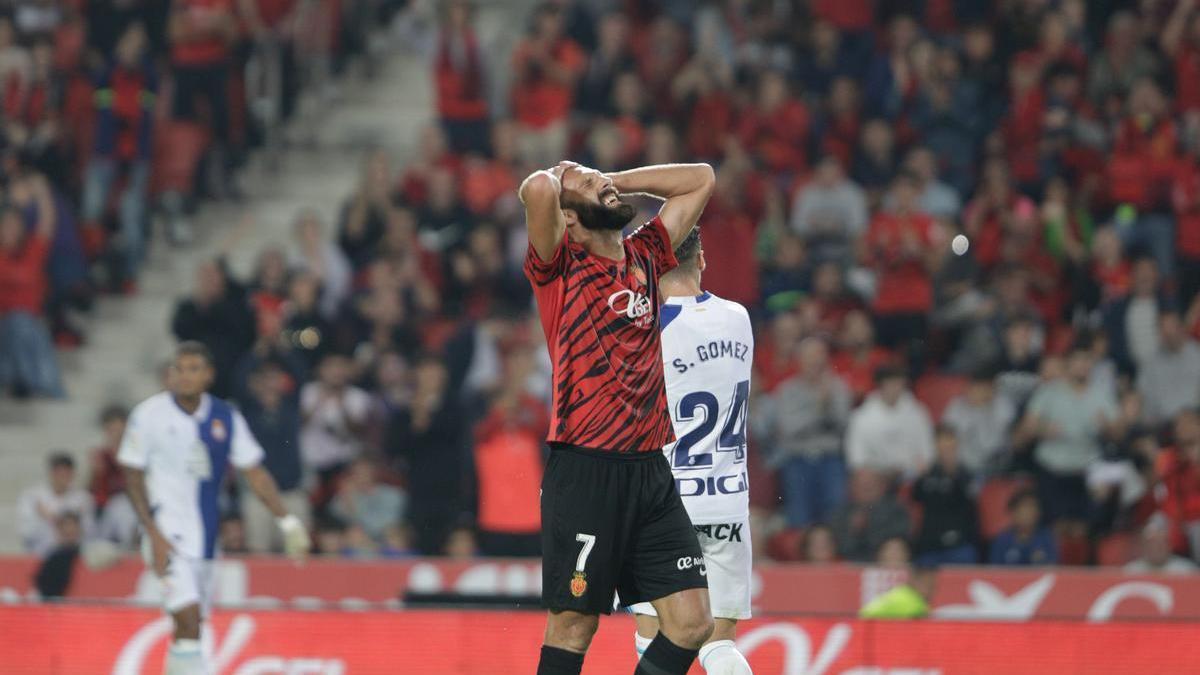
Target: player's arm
x,y
160,548
543,213
685,188
247,456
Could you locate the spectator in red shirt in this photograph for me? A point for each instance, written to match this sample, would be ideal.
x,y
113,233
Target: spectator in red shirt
x,y
124,107
489,185
107,478
546,65
776,128
508,463
1185,198
459,76
1180,41
27,359
201,33
1147,141
857,357
902,247
733,271
1179,476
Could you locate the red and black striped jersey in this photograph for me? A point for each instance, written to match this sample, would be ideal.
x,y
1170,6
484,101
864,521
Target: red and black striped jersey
x,y
601,318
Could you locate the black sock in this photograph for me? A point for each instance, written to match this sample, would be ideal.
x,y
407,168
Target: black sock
x,y
664,657
557,661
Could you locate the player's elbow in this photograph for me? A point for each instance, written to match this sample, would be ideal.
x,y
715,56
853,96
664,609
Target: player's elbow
x,y
539,185
708,178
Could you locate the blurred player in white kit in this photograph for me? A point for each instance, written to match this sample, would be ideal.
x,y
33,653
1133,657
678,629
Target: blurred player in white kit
x,y
708,350
176,448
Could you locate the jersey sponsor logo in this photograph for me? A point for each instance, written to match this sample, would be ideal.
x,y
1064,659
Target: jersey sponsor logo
x,y
688,562
730,484
219,433
721,532
579,584
631,305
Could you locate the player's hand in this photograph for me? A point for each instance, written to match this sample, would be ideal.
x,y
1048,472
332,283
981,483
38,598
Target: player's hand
x,y
296,543
160,553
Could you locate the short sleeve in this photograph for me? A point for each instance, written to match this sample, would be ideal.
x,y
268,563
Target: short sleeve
x,y
244,451
542,272
134,451
653,240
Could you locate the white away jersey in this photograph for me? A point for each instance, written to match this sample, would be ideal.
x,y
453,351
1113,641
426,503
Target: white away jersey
x,y
185,457
708,349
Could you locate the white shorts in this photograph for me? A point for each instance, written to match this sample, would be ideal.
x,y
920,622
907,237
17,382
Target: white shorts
x,y
188,582
728,560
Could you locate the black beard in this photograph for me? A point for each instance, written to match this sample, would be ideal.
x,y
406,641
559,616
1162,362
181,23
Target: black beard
x,y
595,216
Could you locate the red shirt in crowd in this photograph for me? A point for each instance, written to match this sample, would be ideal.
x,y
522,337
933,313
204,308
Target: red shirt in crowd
x,y
1187,78
273,12
732,272
1181,499
1185,197
709,126
484,182
1143,162
1112,279
508,462
459,79
904,285
22,276
538,100
847,15
108,478
777,137
857,369
205,43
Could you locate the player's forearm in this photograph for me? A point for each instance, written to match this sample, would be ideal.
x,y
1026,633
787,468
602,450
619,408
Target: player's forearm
x,y
264,488
665,181
135,487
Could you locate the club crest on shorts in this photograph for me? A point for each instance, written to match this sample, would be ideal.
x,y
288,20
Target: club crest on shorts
x,y
579,584
218,431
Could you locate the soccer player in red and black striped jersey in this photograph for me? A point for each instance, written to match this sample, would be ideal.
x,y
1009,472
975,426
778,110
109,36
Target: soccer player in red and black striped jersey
x,y
612,519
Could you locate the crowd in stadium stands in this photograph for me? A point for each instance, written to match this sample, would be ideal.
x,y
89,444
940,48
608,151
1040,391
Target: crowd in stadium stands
x,y
1032,400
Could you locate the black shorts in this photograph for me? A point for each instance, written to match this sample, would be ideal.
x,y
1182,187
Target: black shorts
x,y
614,523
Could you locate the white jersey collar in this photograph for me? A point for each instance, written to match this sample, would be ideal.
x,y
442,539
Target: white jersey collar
x,y
688,299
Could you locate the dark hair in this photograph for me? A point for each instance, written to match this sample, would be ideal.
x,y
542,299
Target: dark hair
x,y
688,250
1020,496
113,412
1084,342
61,458
986,373
943,429
889,372
194,348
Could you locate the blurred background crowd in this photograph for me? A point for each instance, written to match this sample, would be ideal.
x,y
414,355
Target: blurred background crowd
x,y
1032,400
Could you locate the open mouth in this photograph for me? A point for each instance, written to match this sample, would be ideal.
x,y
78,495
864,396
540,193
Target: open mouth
x,y
610,198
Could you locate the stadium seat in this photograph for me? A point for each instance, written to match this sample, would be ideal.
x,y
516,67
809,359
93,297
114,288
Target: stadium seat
x,y
1074,549
936,391
1116,549
993,505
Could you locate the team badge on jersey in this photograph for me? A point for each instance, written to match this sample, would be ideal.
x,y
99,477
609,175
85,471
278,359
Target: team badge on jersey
x,y
218,431
638,273
579,584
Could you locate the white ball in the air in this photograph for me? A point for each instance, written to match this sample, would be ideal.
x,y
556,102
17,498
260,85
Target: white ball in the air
x,y
960,244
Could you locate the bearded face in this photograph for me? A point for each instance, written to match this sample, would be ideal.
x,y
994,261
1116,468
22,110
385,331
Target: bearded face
x,y
611,215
